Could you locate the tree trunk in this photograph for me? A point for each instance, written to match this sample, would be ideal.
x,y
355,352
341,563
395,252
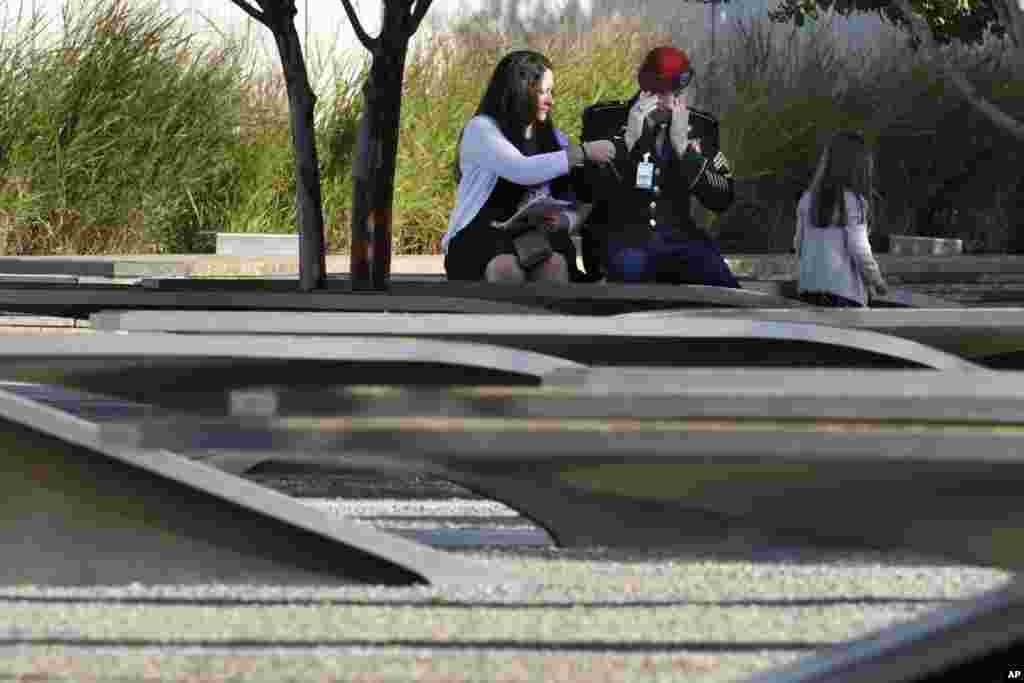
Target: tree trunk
x,y
374,172
301,100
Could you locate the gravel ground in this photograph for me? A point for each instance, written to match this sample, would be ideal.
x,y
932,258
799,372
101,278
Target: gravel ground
x,y
584,614
592,616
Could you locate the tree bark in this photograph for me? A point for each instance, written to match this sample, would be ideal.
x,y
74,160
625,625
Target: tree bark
x,y
374,172
308,203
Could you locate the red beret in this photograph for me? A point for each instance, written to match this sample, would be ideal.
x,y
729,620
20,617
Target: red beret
x,y
664,69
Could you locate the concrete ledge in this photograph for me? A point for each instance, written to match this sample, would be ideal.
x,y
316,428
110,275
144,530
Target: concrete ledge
x,y
257,244
32,324
911,245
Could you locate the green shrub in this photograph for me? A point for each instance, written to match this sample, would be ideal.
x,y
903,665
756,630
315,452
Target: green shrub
x,y
130,115
131,135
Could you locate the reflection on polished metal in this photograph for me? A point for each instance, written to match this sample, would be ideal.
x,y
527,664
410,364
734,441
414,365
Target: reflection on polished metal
x,y
968,642
78,512
655,340
598,466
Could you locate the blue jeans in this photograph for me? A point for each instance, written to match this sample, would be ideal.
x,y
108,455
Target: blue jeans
x,y
666,260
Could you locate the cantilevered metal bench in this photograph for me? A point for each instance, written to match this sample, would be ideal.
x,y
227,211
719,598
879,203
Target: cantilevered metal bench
x,y
990,336
80,300
896,297
76,511
926,462
755,340
186,371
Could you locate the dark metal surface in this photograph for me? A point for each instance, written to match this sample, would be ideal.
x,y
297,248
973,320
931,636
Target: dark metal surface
x,y
611,474
896,297
990,336
414,296
80,301
77,511
195,372
689,340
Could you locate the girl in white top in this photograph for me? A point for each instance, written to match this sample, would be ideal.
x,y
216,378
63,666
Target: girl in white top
x,y
508,152
837,267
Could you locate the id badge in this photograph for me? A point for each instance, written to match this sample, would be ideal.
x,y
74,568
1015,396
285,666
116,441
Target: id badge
x,y
645,173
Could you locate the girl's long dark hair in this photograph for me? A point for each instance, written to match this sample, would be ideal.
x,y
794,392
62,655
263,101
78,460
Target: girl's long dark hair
x,y
511,98
845,165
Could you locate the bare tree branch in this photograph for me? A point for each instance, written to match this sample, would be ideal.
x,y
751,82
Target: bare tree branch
x,y
414,21
1012,17
919,29
251,11
364,38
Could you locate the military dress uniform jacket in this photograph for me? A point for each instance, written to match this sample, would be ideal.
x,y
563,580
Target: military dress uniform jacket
x,y
630,214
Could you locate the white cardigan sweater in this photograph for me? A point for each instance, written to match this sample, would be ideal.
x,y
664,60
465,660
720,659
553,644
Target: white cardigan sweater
x,y
485,154
836,258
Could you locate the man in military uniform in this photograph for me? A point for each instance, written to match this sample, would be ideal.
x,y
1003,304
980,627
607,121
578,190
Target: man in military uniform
x,y
641,229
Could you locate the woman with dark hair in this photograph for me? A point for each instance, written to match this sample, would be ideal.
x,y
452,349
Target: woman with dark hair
x,y
510,153
837,267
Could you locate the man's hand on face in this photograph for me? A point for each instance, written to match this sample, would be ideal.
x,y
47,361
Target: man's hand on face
x,y
679,130
643,106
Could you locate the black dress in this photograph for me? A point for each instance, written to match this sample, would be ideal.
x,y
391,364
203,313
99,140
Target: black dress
x,y
473,247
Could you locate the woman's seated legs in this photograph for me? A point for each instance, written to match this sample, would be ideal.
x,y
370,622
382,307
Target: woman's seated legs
x,y
480,252
504,269
484,253
554,269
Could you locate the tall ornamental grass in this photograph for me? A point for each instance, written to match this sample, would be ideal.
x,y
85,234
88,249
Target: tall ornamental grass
x,y
129,134
122,131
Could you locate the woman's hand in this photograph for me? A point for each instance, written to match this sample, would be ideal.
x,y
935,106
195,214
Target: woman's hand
x,y
599,151
554,219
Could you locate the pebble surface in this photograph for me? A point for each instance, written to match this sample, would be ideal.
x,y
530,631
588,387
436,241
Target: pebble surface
x,y
592,614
